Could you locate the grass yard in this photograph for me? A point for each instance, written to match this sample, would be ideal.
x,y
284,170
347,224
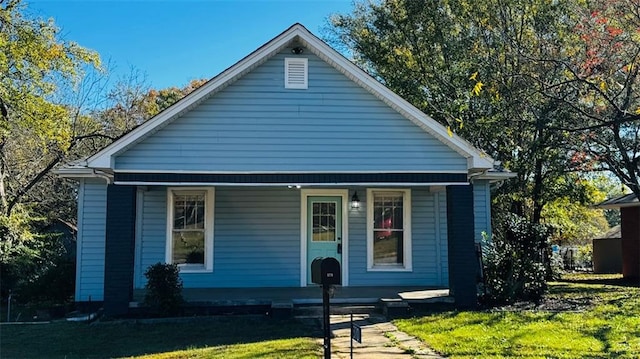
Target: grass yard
x,y
222,337
584,316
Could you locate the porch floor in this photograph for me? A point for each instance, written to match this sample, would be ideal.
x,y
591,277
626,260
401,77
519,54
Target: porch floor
x,y
311,295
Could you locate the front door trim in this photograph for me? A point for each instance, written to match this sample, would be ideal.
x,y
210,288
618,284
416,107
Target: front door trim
x,y
304,195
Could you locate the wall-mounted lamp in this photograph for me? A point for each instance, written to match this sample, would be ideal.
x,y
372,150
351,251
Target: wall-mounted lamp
x,y
355,201
297,50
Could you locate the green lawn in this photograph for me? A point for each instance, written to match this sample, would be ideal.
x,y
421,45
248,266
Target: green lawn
x,y
584,317
223,337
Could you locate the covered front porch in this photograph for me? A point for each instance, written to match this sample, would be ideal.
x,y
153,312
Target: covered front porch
x,y
263,234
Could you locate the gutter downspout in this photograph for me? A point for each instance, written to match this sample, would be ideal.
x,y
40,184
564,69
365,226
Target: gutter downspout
x,y
472,176
103,175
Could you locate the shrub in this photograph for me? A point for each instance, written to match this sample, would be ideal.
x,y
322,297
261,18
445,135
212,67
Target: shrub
x,y
55,284
164,289
35,265
557,266
513,261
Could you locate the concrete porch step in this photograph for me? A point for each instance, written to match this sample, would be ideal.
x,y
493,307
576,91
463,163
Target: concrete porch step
x,y
315,311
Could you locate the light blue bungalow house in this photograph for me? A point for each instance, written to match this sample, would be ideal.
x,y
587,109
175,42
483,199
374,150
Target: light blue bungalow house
x,y
246,180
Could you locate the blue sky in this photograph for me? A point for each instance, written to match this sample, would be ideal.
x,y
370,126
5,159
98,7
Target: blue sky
x,y
173,42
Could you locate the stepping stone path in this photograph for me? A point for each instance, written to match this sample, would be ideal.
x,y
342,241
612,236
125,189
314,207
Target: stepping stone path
x,y
380,339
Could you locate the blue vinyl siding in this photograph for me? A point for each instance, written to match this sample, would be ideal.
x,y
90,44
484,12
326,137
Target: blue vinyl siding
x,y
428,266
256,238
92,217
255,124
481,208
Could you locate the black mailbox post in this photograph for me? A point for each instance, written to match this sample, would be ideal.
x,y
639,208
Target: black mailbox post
x,y
326,272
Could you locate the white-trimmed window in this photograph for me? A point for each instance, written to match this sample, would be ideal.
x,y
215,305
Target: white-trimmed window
x,y
389,230
190,228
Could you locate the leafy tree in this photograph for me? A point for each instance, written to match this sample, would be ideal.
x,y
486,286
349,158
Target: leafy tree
x,y
599,87
131,102
612,188
39,76
37,130
572,216
471,66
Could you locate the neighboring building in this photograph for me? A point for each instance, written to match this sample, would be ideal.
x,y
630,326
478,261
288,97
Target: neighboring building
x,y
607,252
250,177
630,232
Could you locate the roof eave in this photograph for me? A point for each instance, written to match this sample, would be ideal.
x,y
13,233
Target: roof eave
x,y
76,172
496,176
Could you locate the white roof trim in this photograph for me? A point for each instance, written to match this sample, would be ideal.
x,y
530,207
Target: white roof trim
x,y
476,159
495,176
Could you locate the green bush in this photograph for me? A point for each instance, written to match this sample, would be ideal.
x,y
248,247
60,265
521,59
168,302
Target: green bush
x,y
513,261
18,250
557,266
35,265
55,284
164,289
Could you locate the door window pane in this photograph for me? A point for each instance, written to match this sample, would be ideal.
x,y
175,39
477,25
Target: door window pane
x,y
323,221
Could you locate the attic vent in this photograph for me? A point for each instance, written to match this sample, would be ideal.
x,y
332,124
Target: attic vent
x,y
295,73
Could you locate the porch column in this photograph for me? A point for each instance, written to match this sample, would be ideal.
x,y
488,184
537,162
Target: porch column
x,y
463,263
119,249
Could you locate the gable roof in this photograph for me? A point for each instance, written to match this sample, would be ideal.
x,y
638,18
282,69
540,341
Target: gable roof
x,y
476,160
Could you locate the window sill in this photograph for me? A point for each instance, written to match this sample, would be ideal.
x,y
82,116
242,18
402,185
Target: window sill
x,y
193,269
389,269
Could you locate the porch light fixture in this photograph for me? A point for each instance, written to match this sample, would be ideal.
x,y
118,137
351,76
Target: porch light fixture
x,y
355,201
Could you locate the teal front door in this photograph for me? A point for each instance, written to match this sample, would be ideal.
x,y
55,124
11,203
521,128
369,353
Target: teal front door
x,y
324,229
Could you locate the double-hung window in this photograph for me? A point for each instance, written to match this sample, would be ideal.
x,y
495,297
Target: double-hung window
x,y
190,229
389,229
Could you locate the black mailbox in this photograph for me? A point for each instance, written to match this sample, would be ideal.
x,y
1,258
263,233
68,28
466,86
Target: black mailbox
x,y
325,271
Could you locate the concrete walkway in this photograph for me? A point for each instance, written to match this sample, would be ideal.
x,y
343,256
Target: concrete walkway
x,y
380,339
